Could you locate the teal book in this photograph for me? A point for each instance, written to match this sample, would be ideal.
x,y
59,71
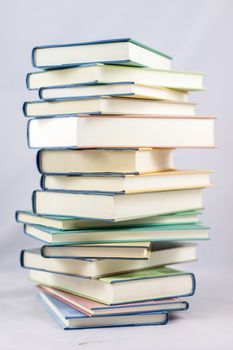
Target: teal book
x,y
153,233
156,283
122,51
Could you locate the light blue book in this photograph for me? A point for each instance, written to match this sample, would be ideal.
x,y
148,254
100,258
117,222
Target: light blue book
x,y
70,318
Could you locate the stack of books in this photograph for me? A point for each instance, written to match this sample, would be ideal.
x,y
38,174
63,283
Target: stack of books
x,y
113,213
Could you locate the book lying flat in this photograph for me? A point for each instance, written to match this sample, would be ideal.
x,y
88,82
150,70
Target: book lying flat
x,y
127,250
151,233
121,132
125,51
93,308
100,73
150,284
106,105
115,207
107,161
127,89
69,318
169,180
94,268
69,223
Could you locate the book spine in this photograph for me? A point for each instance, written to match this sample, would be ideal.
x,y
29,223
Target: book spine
x,y
21,258
34,202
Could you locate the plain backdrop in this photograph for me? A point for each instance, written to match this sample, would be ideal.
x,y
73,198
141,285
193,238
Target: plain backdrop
x,y
198,34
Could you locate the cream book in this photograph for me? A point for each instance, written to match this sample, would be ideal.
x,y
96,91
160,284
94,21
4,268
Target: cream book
x,y
107,161
93,268
156,283
70,223
130,89
121,132
106,105
100,73
161,181
115,207
125,51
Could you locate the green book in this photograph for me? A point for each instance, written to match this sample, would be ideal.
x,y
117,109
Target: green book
x,y
153,233
157,283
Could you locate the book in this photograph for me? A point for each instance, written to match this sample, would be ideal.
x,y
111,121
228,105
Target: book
x,y
169,180
121,132
127,250
150,284
156,233
125,89
124,51
100,73
93,308
106,105
94,268
107,161
69,318
115,207
68,223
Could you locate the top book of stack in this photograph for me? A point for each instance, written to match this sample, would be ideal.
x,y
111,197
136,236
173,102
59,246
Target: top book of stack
x,y
123,51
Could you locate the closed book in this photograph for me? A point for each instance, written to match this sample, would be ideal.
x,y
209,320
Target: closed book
x,y
156,233
121,132
100,73
94,268
68,223
93,308
127,89
125,51
150,284
104,161
115,207
106,105
70,318
169,180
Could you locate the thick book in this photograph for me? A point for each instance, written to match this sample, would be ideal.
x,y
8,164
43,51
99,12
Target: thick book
x,y
121,132
169,180
106,105
127,250
115,207
94,268
68,223
156,233
150,284
122,51
70,318
100,73
127,89
93,308
104,161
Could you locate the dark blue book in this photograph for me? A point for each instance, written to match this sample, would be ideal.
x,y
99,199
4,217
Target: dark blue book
x,y
70,318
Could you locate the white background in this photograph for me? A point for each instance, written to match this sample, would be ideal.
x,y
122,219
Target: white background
x,y
198,34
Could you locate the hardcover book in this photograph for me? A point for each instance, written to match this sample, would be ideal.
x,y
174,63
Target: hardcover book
x,y
69,318
123,51
150,284
93,308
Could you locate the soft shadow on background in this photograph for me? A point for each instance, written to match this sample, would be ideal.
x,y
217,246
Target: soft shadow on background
x,y
198,36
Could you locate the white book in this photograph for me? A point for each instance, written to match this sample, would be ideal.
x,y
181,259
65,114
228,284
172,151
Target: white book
x,y
169,180
128,131
131,90
93,268
115,207
119,51
106,105
107,161
180,80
